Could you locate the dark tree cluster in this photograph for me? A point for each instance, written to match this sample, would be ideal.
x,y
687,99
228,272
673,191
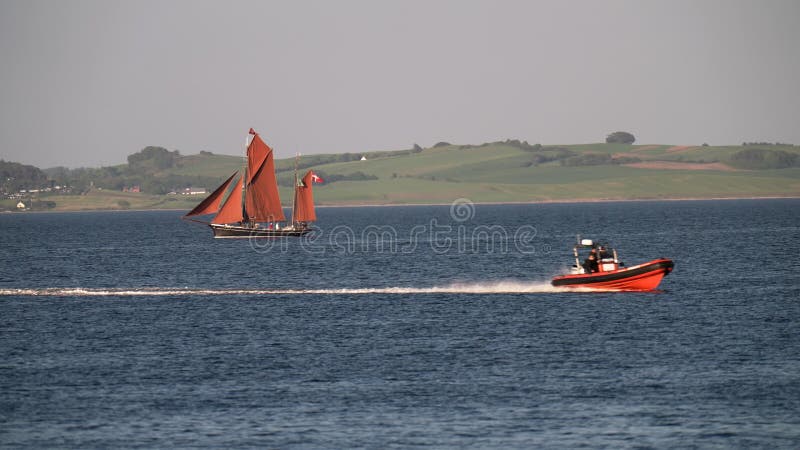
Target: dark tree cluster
x,y
764,144
620,137
596,159
523,145
759,159
16,176
150,158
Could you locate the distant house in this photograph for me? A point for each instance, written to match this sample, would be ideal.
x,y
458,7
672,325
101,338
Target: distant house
x,y
20,205
194,191
132,189
363,158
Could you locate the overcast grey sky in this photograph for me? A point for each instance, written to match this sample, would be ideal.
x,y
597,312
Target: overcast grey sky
x,y
86,83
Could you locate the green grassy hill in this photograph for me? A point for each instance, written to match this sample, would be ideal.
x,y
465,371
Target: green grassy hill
x,y
208,165
507,171
503,172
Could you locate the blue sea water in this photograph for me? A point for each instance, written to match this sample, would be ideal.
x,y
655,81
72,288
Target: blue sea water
x,y
399,327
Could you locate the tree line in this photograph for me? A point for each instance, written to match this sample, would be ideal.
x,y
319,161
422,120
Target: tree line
x,y
150,169
762,159
15,177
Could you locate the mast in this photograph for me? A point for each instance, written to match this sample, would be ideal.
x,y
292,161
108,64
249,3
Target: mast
x,y
294,196
244,172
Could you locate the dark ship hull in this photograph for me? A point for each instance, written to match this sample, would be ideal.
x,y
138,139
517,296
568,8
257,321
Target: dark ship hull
x,y
246,232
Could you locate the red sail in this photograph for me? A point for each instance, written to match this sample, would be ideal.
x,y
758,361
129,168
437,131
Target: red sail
x,y
263,204
211,204
304,200
231,211
257,152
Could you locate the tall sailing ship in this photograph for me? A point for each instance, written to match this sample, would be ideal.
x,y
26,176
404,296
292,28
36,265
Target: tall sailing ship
x,y
253,208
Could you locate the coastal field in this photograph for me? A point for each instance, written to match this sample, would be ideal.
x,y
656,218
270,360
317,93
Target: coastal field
x,y
507,171
504,173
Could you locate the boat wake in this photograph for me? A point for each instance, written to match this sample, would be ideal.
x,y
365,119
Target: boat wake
x,y
497,287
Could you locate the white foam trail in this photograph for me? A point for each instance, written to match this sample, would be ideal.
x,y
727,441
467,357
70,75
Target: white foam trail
x,y
497,287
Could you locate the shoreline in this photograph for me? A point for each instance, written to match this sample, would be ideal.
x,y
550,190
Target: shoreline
x,y
567,201
388,205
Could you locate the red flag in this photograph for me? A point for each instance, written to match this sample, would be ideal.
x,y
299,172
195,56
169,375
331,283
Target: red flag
x,y
316,178
253,132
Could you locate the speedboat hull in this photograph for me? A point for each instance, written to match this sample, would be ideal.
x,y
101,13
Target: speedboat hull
x,y
243,232
643,277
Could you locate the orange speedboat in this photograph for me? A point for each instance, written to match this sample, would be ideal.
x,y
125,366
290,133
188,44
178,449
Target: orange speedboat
x,y
603,271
